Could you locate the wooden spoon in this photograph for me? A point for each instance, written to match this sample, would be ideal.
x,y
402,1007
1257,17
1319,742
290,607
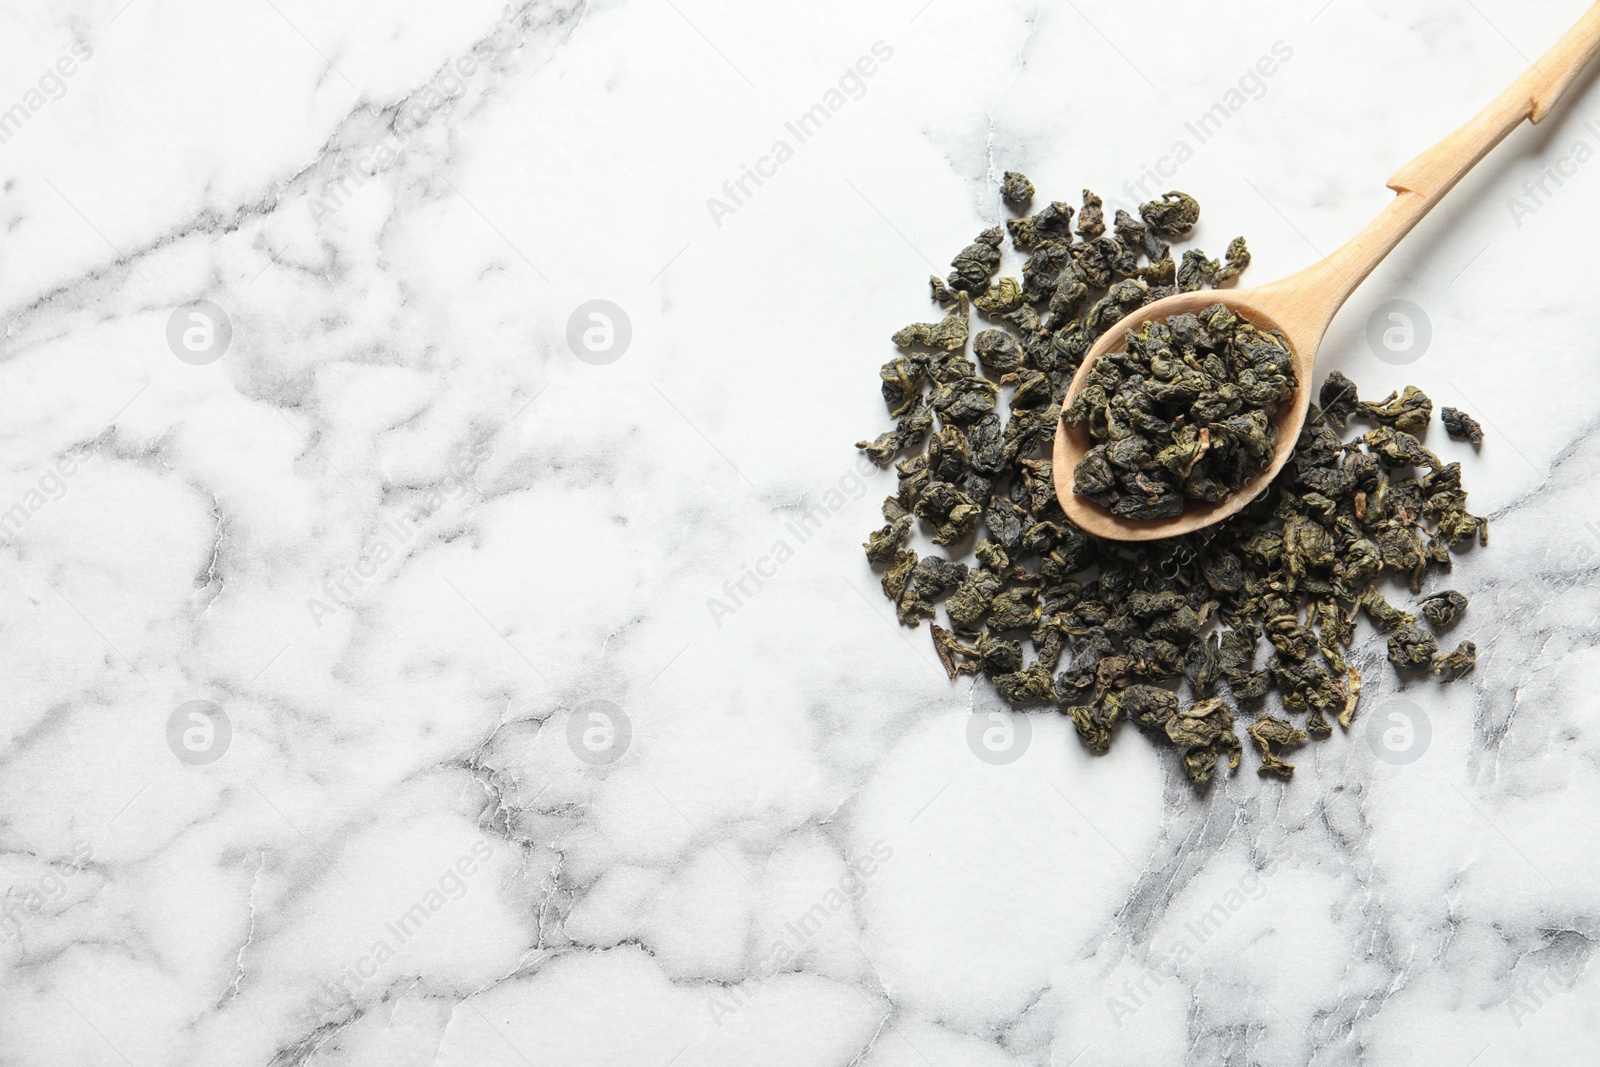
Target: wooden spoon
x,y
1302,305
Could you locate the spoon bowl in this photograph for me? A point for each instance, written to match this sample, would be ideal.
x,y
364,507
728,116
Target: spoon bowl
x,y
1072,442
1301,306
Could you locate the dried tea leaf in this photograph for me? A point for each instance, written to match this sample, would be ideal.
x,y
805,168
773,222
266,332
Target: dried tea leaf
x,y
1411,646
1002,296
1454,664
1092,219
948,334
946,648
1025,686
997,350
1094,724
1409,411
1205,729
1171,216
1443,609
1016,190
1461,426
1269,731
975,264
885,545
1338,398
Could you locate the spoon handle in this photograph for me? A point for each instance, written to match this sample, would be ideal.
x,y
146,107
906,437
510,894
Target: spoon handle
x,y
1308,301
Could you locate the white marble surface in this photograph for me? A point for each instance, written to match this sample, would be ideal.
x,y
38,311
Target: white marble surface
x,y
398,858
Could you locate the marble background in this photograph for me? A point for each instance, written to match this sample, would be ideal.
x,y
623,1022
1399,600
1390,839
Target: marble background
x,y
407,546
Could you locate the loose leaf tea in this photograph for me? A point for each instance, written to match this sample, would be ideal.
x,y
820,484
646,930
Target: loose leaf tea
x,y
1188,637
1408,411
1016,190
1443,609
1183,413
1461,426
1454,664
1268,731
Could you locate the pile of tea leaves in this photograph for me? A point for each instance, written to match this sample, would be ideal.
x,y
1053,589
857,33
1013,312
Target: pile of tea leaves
x,y
1166,633
1181,412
